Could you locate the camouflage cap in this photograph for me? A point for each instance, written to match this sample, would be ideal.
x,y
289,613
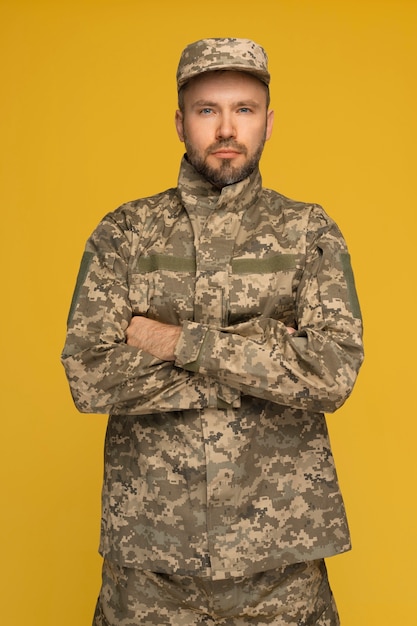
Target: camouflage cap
x,y
208,55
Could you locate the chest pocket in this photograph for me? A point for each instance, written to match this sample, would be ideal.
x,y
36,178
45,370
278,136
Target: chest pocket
x,y
264,287
162,288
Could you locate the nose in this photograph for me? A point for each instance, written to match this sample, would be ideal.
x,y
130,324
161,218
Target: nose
x,y
226,128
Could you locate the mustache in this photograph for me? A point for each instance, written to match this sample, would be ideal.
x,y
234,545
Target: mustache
x,y
226,143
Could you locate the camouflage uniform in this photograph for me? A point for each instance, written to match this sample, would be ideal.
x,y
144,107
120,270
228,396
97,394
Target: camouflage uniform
x,y
217,465
210,55
294,595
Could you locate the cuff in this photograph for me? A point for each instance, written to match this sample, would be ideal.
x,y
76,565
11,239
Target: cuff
x,y
189,346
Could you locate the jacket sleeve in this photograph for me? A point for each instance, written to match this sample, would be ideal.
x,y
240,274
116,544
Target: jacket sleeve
x,y
313,369
104,373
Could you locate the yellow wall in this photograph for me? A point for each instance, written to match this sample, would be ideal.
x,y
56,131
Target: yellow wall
x,y
86,114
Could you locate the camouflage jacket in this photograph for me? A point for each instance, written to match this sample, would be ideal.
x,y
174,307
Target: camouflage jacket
x,y
218,464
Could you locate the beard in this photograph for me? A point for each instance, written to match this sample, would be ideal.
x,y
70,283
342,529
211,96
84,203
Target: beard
x,y
226,173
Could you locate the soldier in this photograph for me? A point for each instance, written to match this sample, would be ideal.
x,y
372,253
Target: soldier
x,y
216,322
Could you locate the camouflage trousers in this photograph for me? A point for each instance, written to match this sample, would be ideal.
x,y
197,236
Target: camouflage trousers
x,y
296,595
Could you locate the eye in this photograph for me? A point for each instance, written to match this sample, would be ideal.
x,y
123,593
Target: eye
x,y
206,111
244,110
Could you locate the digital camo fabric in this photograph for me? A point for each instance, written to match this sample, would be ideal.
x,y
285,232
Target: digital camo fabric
x,y
219,464
289,596
209,55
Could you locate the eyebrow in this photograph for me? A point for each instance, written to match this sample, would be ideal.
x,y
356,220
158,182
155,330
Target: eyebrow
x,y
239,103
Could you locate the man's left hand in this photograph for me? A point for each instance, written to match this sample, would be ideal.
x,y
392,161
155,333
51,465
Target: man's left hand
x,y
154,337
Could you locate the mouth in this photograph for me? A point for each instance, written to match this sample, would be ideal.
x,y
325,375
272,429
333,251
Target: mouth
x,y
225,153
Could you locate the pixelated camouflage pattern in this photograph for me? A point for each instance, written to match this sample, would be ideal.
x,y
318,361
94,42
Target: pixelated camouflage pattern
x,y
289,596
208,55
218,464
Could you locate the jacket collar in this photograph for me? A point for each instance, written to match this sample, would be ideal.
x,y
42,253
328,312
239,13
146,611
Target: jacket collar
x,y
195,190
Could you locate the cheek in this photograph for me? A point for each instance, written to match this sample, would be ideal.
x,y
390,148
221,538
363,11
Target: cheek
x,y
256,138
197,137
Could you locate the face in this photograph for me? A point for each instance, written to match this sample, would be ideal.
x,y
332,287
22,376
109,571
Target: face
x,y
224,124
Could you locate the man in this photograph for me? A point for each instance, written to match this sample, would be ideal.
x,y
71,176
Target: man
x,y
216,322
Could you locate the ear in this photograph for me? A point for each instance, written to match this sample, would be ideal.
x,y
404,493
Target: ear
x,y
179,124
269,124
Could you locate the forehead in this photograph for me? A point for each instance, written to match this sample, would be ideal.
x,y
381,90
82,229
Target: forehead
x,y
223,86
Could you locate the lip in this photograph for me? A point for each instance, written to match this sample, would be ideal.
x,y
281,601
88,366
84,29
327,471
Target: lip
x,y
225,153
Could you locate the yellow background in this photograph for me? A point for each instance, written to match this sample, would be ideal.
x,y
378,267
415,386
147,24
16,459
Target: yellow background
x,y
87,105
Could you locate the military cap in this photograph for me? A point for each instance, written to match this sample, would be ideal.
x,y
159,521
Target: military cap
x,y
208,55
